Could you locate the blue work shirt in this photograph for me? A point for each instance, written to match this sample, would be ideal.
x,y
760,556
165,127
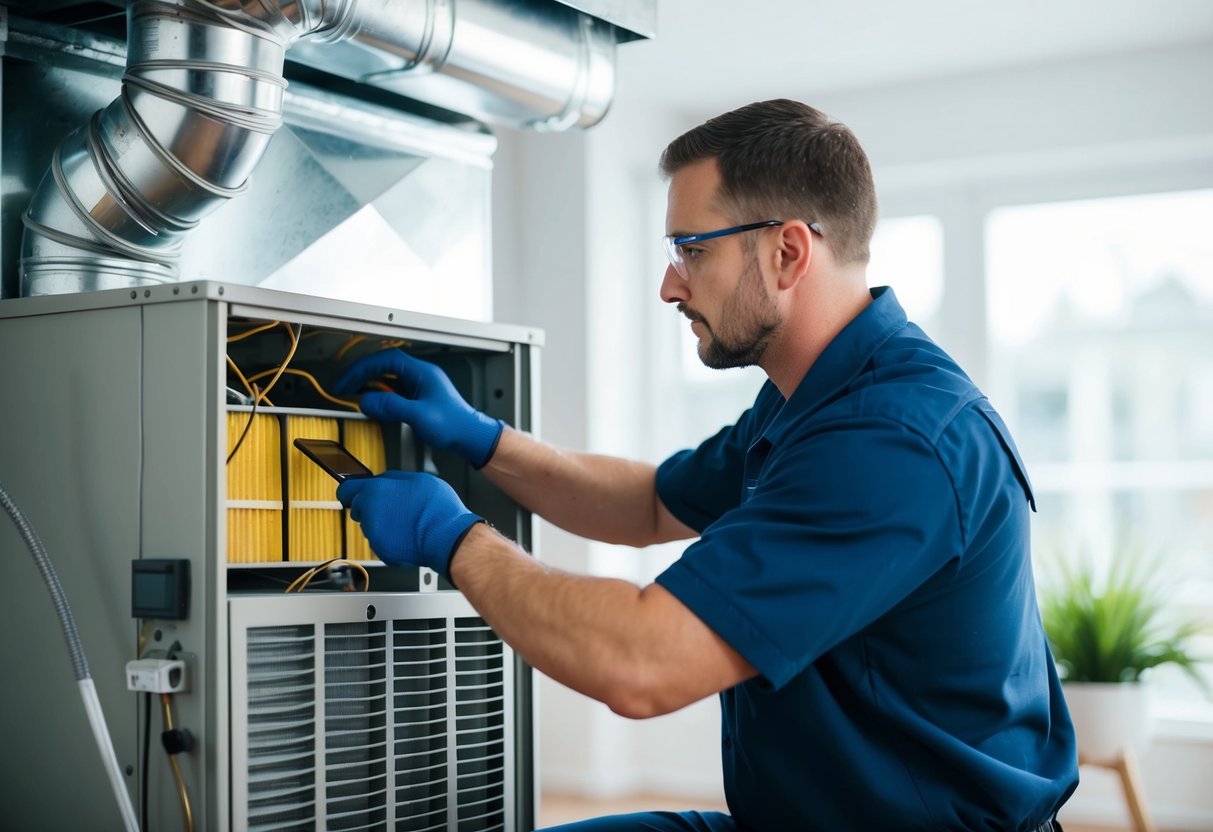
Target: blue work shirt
x,y
864,545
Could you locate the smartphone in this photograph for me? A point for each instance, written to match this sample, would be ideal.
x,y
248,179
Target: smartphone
x,y
332,456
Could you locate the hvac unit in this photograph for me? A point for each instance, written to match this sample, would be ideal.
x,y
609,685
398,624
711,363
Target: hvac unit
x,y
328,708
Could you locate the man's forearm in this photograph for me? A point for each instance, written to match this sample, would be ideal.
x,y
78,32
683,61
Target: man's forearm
x,y
639,650
599,497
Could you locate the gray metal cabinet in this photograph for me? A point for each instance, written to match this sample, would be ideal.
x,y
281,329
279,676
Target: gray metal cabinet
x,y
396,708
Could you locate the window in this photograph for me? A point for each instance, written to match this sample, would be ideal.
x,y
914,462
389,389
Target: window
x,y
1100,317
907,254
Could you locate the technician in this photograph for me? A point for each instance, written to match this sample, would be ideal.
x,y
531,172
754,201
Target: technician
x,y
859,591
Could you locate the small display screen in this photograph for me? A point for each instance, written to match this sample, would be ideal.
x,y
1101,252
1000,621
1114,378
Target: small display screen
x,y
152,590
160,588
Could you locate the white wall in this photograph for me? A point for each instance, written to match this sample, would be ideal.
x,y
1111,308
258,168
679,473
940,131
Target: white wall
x,y
575,238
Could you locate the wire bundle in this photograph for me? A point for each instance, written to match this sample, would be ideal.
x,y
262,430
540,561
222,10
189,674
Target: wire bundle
x,y
258,492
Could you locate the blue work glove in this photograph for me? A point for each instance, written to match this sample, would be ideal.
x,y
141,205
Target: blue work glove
x,y
410,519
426,400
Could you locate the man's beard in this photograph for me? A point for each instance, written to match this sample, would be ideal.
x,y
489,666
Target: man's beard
x,y
747,323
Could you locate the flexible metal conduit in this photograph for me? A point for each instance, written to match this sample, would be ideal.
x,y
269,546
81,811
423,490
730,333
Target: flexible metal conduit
x,y
75,649
203,94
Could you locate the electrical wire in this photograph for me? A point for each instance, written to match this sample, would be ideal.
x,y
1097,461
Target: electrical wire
x,y
286,361
305,374
300,583
252,415
260,394
353,341
166,701
248,388
240,336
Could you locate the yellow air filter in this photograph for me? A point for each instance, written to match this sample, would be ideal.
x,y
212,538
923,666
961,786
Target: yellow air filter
x,y
365,441
254,484
315,534
315,523
305,479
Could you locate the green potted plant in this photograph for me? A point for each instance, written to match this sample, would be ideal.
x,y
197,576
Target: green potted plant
x,y
1105,634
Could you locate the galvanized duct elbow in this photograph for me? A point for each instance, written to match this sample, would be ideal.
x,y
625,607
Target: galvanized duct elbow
x,y
203,94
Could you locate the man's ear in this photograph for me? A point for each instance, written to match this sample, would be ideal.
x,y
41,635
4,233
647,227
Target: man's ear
x,y
794,254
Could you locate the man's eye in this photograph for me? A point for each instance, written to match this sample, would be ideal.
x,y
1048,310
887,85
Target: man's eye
x,y
691,252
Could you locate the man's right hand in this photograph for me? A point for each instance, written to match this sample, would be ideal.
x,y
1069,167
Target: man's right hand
x,y
426,400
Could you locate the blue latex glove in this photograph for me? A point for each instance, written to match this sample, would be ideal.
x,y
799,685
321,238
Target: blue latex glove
x,y
410,519
426,400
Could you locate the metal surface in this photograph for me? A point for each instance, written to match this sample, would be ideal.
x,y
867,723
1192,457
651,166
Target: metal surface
x,y
517,62
390,709
258,302
202,96
635,18
46,94
141,174
81,492
353,200
117,453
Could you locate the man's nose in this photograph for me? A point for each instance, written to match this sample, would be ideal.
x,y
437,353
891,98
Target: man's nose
x,y
673,287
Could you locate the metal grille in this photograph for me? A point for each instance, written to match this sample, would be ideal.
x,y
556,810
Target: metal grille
x,y
281,727
479,727
355,726
419,709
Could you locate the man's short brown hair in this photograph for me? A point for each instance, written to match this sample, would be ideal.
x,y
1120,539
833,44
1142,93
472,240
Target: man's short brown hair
x,y
785,160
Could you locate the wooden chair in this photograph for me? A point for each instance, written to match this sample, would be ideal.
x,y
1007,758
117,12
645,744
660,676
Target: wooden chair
x,y
1125,766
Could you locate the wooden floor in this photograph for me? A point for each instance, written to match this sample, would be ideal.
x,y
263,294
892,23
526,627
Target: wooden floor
x,y
561,808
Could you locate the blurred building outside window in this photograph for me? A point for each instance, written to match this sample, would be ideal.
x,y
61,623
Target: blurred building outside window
x,y
1100,316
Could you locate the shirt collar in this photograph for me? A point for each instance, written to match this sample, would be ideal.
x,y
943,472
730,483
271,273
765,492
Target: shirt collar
x,y
842,359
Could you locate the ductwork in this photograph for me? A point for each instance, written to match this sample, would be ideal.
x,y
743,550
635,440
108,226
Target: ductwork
x,y
203,94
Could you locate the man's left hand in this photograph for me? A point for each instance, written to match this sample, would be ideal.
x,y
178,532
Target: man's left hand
x,y
410,519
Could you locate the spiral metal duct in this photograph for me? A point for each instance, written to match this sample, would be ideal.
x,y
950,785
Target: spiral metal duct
x,y
203,94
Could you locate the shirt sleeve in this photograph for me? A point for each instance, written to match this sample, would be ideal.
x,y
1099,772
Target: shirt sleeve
x,y
841,527
700,485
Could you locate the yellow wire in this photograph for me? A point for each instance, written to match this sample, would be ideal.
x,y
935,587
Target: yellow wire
x,y
172,759
304,579
315,384
348,345
250,332
281,367
300,583
249,424
240,376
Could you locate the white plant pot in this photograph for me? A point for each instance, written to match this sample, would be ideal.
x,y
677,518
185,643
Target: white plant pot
x,y
1109,718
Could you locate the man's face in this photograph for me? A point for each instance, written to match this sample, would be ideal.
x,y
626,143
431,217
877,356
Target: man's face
x,y
724,295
